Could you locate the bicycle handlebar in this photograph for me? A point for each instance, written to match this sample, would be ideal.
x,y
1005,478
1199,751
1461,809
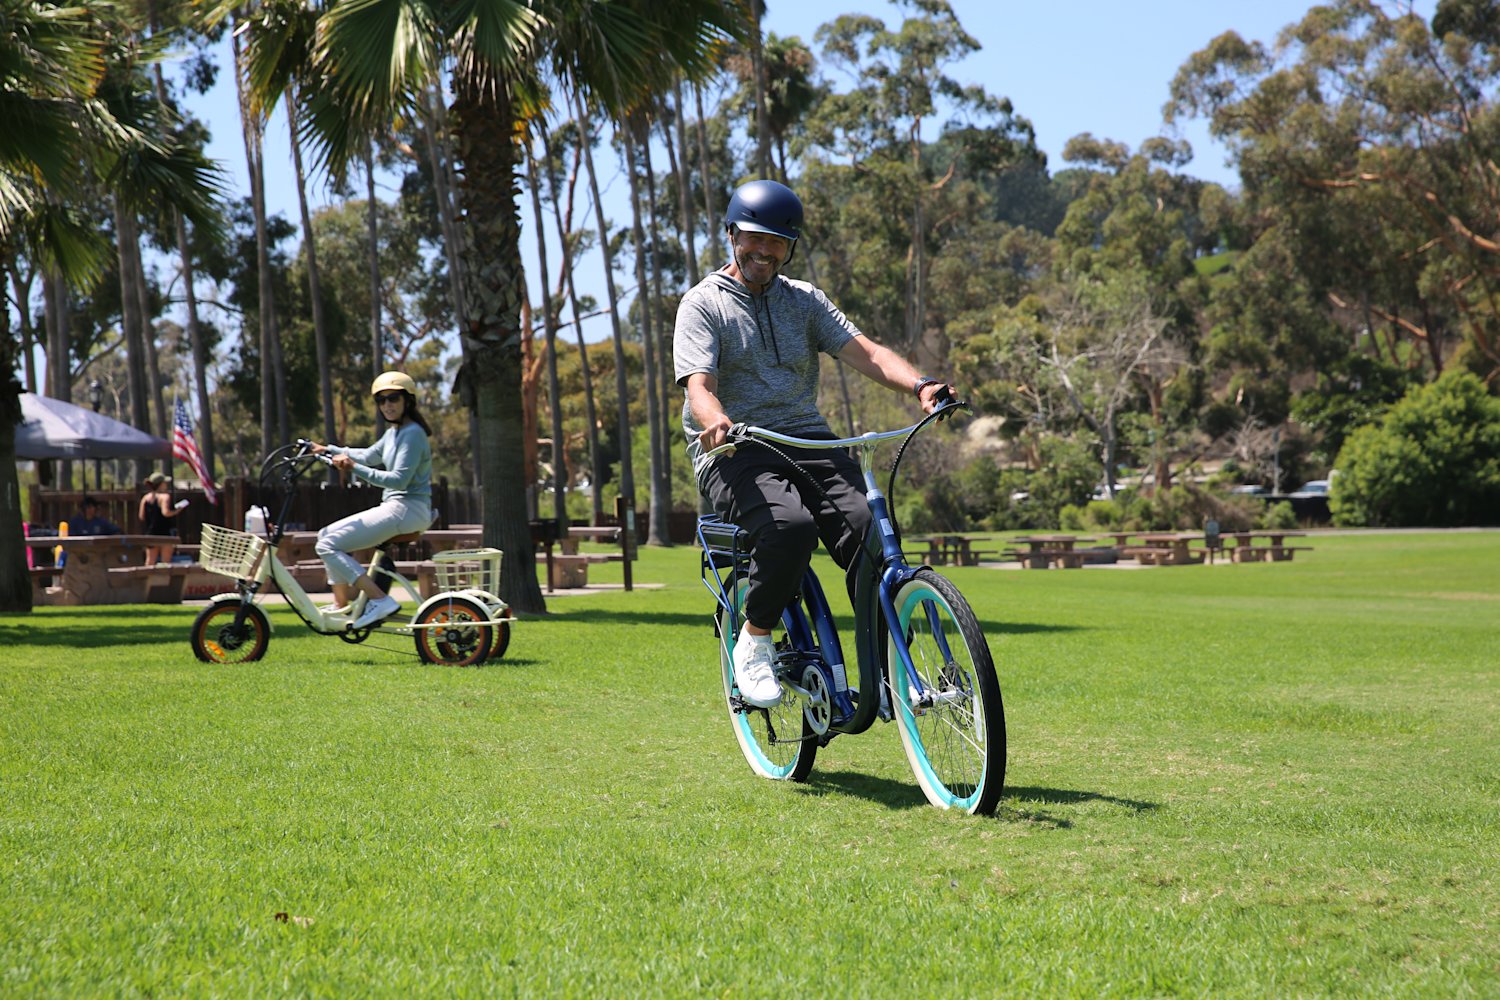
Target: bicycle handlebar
x,y
739,433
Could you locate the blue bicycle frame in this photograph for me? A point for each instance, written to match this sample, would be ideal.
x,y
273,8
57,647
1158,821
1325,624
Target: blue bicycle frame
x,y
725,555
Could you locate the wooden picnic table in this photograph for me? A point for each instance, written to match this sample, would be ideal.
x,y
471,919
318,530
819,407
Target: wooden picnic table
x,y
1172,548
1044,550
956,549
105,569
1245,548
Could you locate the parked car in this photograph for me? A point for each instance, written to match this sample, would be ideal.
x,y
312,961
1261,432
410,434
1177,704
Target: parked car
x,y
1312,488
1250,490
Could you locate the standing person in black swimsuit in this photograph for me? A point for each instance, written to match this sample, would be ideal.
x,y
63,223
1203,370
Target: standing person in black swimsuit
x,y
157,514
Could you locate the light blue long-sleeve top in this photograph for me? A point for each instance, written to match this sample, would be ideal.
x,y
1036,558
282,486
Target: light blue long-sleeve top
x,y
400,463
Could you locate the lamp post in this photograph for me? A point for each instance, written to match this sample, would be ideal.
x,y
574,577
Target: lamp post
x,y
96,396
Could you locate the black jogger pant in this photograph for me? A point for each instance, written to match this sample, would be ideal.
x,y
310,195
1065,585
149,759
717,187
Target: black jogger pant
x,y
785,518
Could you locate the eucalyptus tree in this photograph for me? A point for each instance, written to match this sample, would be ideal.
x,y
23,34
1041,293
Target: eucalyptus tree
x,y
1365,141
374,57
549,327
899,194
563,220
660,503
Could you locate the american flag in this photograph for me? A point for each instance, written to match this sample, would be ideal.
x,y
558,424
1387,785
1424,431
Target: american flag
x,y
185,447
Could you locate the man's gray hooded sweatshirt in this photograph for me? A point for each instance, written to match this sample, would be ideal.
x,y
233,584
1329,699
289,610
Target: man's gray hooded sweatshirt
x,y
763,349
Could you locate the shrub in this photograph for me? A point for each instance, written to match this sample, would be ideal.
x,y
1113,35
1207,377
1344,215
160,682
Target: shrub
x,y
1277,517
1433,460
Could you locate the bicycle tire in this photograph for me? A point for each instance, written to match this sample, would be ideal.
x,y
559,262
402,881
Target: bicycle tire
x,y
502,634
955,744
778,758
466,638
215,638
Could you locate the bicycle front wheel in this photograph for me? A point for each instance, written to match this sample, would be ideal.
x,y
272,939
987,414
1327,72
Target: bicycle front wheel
x,y
217,639
952,724
778,742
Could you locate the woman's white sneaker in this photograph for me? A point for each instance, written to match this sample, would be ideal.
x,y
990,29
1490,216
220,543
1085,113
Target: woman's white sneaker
x,y
755,669
377,611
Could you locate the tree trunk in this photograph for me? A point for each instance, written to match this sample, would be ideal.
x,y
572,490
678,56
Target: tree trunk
x,y
128,247
762,90
372,228
678,158
564,221
657,503
665,437
190,299
560,476
627,475
712,244
28,333
250,128
314,285
485,120
840,367
433,121
15,583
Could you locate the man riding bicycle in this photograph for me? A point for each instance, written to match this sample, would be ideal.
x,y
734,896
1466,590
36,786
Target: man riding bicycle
x,y
746,347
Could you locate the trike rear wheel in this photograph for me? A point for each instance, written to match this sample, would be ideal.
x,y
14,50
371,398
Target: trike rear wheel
x,y
217,639
778,742
954,732
463,635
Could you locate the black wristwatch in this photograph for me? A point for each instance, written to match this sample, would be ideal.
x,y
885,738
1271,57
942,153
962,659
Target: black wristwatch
x,y
923,383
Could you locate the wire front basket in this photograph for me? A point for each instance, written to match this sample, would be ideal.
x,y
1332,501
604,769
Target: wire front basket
x,y
468,569
236,554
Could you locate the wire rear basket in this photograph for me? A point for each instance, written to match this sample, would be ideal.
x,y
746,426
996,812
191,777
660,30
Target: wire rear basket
x,y
468,569
237,554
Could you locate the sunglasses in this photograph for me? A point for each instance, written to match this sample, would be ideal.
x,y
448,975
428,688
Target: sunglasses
x,y
388,397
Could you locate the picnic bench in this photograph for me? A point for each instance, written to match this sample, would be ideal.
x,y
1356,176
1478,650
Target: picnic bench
x,y
105,569
1046,551
1168,549
941,550
1275,548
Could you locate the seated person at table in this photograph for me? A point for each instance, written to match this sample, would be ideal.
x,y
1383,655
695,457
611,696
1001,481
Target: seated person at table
x,y
401,464
91,523
157,513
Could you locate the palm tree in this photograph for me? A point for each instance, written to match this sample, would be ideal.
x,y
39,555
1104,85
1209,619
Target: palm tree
x,y
375,57
278,53
57,139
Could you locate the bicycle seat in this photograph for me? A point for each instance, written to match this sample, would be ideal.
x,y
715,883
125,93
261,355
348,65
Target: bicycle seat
x,y
410,536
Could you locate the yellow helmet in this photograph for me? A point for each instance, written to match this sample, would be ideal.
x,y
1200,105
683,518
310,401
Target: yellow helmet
x,y
394,380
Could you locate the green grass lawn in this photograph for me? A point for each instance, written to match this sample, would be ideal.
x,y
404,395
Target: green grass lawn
x,y
1237,780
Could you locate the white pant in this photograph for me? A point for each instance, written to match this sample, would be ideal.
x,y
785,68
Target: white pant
x,y
367,530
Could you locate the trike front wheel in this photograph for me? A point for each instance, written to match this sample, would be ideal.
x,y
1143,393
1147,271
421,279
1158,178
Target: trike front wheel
x,y
952,723
217,639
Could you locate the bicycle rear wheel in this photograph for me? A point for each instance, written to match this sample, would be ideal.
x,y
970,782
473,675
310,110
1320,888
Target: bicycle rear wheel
x,y
463,636
778,742
954,733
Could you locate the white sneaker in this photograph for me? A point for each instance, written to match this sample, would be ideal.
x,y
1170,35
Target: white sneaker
x,y
755,669
377,611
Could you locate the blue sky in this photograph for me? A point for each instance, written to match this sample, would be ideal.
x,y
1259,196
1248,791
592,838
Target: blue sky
x,y
1070,66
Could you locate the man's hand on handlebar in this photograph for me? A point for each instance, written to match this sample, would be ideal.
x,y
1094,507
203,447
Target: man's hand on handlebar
x,y
937,395
716,433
